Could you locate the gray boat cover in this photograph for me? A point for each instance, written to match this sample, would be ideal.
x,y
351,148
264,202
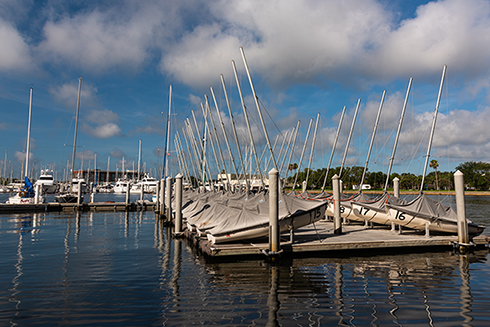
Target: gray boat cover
x,y
425,207
248,213
379,203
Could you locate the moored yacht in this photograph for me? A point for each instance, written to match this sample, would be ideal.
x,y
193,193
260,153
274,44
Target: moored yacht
x,y
47,182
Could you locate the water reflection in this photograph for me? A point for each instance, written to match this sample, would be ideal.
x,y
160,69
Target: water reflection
x,y
356,290
127,269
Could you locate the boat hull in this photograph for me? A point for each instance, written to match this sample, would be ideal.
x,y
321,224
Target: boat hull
x,y
435,225
296,221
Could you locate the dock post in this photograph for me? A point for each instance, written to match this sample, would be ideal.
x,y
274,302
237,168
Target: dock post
x,y
274,241
463,237
36,194
157,191
79,194
161,198
128,188
396,187
168,198
178,204
337,223
303,190
142,193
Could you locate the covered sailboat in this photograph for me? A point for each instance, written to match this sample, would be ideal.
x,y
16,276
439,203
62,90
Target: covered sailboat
x,y
424,211
252,221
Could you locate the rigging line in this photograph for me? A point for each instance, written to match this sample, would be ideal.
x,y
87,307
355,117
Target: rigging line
x,y
380,151
267,112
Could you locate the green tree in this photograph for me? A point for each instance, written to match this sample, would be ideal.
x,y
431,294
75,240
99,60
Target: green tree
x,y
434,164
476,174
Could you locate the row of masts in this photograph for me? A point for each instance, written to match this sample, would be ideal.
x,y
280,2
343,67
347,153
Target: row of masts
x,y
192,159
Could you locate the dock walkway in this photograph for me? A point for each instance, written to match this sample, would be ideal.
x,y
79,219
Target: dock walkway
x,y
319,238
86,206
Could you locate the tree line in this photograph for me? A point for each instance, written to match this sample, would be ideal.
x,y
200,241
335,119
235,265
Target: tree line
x,y
476,177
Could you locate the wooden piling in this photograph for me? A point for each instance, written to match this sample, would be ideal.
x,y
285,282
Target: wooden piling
x,y
336,199
274,241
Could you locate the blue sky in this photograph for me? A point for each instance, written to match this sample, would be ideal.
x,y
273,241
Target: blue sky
x,y
305,57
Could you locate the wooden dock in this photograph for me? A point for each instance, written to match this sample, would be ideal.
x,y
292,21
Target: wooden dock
x,y
92,206
319,239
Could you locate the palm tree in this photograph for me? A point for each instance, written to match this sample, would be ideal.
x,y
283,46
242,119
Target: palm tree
x,y
434,164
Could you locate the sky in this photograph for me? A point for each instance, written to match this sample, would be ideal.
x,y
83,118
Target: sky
x,y
305,58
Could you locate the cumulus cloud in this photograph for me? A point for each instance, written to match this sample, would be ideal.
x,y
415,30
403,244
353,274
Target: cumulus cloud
x,y
67,94
103,131
14,52
103,124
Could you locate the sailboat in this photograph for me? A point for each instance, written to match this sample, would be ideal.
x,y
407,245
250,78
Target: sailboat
x,y
27,195
71,197
424,213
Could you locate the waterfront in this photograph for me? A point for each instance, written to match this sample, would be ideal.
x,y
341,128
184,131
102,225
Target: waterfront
x,y
125,269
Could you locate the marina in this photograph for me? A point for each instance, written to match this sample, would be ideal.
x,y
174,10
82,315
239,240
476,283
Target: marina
x,y
127,268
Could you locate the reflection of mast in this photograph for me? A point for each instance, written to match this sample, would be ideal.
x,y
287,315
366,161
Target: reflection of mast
x,y
15,281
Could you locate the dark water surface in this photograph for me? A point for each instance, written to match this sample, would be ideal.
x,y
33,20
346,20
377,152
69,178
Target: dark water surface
x,y
125,269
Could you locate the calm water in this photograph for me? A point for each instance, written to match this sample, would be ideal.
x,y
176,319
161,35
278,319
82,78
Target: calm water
x,y
125,269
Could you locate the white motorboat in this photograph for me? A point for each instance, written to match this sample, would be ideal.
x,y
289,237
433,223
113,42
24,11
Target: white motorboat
x,y
121,186
47,182
149,184
79,180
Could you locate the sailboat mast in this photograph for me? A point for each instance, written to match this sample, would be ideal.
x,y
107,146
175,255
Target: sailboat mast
x,y
433,127
398,133
333,148
76,129
293,132
167,147
302,154
234,133
372,140
247,121
312,147
350,135
258,109
139,160
28,134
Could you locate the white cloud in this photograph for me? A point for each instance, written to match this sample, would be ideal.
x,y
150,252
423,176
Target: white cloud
x,y
14,51
103,131
99,41
67,94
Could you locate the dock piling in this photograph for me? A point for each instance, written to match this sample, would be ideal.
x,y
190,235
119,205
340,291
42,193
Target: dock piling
x,y
168,198
274,240
463,236
36,200
142,194
128,187
158,197
396,187
79,194
178,204
337,223
161,198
